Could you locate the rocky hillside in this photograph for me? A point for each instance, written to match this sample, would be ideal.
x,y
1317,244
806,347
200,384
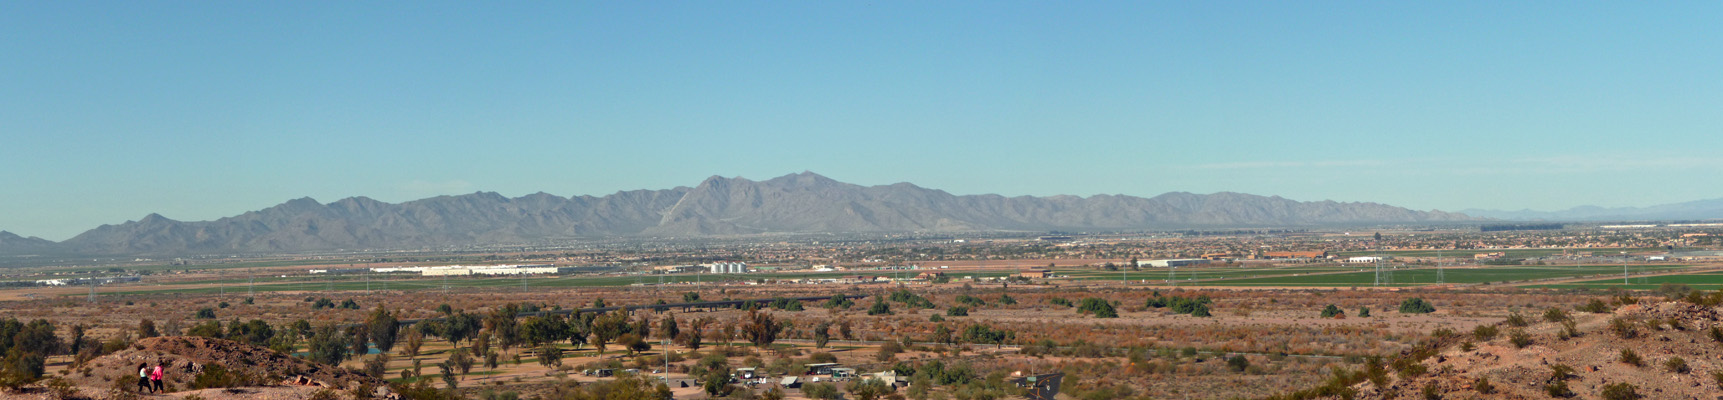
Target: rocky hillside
x,y
186,356
1674,350
797,203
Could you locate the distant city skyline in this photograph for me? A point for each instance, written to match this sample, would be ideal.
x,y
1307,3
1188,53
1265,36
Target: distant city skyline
x,y
198,111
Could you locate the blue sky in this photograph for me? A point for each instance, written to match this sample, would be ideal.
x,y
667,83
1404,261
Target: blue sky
x,y
198,110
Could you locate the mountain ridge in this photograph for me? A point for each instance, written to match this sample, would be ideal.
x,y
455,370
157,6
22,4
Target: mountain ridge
x,y
1691,210
796,203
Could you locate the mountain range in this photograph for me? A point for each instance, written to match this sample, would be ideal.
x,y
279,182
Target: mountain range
x,y
1692,210
796,203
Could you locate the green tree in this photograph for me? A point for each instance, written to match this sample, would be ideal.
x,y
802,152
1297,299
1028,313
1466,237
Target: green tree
x,y
822,334
327,346
761,329
822,391
867,389
879,308
382,327
667,327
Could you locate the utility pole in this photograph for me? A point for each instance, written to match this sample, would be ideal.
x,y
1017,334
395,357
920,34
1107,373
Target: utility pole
x,y
1624,269
1439,278
92,290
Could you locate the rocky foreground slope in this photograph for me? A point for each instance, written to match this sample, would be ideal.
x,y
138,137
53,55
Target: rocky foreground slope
x,y
258,371
1674,350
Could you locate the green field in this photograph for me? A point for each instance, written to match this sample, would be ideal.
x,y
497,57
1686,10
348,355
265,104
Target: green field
x,y
1427,276
1509,253
1710,280
1197,273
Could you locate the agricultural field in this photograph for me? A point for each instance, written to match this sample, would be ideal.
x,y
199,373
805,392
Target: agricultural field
x,y
1700,280
1507,253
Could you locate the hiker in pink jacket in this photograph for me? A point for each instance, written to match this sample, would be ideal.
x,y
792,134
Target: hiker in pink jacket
x,y
156,378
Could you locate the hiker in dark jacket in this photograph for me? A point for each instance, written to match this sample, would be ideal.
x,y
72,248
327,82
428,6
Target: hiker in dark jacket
x,y
144,378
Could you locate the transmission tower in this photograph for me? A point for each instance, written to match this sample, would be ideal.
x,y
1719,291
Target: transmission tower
x,y
1381,277
1439,278
92,291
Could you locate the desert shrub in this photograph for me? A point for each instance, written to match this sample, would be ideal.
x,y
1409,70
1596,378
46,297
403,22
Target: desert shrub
x,y
1560,372
1409,367
911,299
956,311
1431,392
1483,386
1569,330
1555,315
1363,312
1717,376
1467,346
61,389
325,394
1374,371
1558,389
1330,311
1484,333
1620,391
1061,301
1443,332
205,313
1674,291
1238,363
1622,328
1516,320
1098,306
1631,358
1596,306
822,357
1716,334
1519,338
1676,365
216,376
970,300
1416,306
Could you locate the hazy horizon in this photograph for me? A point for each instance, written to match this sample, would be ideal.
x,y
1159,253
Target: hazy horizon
x,y
200,111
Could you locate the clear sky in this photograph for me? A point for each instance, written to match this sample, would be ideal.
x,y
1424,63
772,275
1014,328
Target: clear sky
x,y
198,109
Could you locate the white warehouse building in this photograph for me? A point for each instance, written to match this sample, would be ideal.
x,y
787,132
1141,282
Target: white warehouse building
x,y
460,270
1177,262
